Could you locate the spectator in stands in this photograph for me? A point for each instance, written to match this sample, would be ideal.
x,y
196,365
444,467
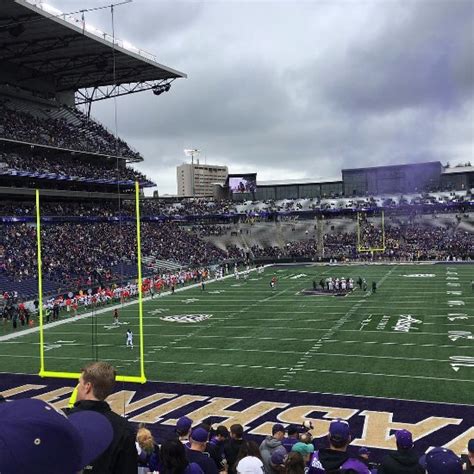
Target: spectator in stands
x,y
35,438
469,459
304,449
183,429
336,456
195,453
96,383
441,461
293,436
295,463
173,459
211,448
249,460
232,446
147,450
277,461
404,459
270,443
219,439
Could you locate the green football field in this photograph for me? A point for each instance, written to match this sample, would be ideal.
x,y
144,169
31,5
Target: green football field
x,y
412,339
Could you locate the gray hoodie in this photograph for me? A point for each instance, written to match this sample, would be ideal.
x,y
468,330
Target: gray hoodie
x,y
269,444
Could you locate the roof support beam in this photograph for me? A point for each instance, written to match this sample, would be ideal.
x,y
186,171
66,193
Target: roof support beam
x,y
87,96
26,49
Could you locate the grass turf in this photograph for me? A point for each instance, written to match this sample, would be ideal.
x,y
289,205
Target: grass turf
x,y
281,339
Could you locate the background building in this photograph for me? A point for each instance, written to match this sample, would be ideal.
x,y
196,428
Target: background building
x,y
195,179
377,180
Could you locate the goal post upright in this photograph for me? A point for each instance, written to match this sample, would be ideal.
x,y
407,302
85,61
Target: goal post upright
x,y
140,285
361,249
40,280
43,372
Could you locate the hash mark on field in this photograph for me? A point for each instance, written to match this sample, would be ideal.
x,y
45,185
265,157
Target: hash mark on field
x,y
330,332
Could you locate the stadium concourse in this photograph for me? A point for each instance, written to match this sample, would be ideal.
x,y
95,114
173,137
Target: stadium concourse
x,y
335,330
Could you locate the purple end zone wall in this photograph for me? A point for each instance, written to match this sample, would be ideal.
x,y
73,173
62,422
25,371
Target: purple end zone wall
x,y
372,420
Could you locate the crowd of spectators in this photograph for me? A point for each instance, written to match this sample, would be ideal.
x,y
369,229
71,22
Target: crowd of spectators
x,y
201,208
406,242
210,230
74,131
72,252
95,436
72,167
63,209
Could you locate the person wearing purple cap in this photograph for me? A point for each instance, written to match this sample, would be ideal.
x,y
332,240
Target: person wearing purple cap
x,y
269,444
35,438
404,459
441,461
183,429
277,460
336,457
195,453
468,459
96,383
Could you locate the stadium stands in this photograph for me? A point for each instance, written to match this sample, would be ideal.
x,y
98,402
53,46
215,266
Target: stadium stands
x,y
58,127
74,254
109,247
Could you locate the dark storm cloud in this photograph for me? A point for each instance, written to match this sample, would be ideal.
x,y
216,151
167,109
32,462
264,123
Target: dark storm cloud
x,y
300,89
420,56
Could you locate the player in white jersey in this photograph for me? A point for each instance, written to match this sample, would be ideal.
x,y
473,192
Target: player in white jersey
x,y
129,338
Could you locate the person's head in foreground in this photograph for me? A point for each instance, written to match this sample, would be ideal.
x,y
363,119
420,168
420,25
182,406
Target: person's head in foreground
x,y
403,439
339,435
304,449
173,457
96,382
35,438
441,461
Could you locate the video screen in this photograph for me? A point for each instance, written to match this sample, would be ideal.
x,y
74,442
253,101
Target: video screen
x,y
246,183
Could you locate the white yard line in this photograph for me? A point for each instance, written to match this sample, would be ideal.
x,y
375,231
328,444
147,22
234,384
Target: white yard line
x,y
328,334
260,367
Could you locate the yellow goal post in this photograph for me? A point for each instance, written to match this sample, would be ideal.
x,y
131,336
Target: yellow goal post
x,y
43,372
360,247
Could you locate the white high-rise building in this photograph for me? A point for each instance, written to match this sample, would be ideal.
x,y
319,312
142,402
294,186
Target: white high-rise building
x,y
197,180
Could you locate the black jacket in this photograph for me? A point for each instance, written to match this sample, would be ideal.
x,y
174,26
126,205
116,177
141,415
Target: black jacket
x,y
204,461
332,460
121,456
404,461
231,450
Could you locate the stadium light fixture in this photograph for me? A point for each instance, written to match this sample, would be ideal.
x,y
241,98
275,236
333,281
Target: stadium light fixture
x,y
158,90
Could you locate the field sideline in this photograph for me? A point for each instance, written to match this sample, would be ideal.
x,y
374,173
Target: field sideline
x,y
412,339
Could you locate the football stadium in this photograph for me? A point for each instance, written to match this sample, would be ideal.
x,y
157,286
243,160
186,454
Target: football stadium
x,y
292,326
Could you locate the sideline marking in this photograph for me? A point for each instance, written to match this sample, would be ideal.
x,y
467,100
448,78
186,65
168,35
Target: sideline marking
x,y
72,319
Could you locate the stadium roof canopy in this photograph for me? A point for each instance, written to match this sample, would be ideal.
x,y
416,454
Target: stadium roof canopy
x,y
403,165
459,169
303,181
40,47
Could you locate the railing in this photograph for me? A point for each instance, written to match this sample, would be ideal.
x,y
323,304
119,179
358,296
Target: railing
x,y
79,23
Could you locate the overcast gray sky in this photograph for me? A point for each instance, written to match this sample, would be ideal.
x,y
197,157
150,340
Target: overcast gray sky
x,y
298,89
